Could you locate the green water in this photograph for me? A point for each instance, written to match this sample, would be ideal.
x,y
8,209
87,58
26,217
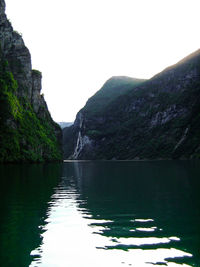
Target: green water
x,y
92,214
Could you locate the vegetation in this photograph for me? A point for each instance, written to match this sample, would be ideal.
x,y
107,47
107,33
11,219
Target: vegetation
x,y
36,72
23,135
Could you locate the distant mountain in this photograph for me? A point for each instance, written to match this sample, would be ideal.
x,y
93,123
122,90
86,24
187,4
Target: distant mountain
x,y
64,124
27,131
154,119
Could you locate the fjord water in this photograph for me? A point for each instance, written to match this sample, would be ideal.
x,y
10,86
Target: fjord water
x,y
86,214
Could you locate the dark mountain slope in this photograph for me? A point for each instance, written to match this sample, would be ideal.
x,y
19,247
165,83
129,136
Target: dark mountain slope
x,y
158,119
110,91
27,131
97,104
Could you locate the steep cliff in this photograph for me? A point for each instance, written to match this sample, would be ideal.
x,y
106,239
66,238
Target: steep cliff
x,y
158,119
27,131
115,87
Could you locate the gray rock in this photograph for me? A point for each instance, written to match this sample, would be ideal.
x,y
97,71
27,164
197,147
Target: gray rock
x,y
28,92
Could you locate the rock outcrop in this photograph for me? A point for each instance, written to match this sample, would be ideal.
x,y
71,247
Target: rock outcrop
x,y
158,119
27,130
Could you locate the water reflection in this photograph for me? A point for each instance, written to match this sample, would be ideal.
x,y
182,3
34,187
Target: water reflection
x,y
24,191
123,214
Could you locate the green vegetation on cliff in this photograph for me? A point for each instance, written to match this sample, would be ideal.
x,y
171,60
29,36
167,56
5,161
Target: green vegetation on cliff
x,y
27,131
23,135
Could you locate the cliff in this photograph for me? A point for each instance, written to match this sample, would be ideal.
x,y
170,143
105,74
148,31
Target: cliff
x,y
27,131
94,109
157,119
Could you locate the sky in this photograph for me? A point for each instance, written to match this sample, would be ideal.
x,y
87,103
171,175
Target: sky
x,y
79,44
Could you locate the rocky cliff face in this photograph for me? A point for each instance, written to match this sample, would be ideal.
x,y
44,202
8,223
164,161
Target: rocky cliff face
x,y
27,131
17,54
158,119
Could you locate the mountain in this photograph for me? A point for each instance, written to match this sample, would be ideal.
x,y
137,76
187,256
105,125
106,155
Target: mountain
x,y
111,90
27,131
64,124
156,119
96,105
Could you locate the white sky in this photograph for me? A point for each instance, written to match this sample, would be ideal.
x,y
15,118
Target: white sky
x,y
79,44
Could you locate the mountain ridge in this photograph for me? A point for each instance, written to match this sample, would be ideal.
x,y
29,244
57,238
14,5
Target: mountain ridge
x,y
156,119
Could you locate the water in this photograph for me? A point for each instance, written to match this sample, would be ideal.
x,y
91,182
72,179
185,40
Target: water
x,y
86,214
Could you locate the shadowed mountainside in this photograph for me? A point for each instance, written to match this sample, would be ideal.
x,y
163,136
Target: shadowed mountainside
x,y
157,119
111,90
